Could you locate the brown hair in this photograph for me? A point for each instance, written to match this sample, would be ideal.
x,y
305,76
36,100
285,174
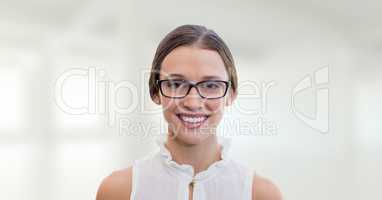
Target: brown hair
x,y
189,35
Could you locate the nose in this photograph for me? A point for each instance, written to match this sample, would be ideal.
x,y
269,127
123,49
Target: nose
x,y
193,100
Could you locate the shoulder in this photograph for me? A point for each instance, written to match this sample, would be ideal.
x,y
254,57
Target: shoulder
x,y
116,186
264,189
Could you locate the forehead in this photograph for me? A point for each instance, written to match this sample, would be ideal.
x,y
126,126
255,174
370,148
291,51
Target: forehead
x,y
194,63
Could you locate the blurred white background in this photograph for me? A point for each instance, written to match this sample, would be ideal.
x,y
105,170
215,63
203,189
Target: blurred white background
x,y
48,153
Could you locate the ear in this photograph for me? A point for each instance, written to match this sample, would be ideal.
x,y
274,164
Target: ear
x,y
231,97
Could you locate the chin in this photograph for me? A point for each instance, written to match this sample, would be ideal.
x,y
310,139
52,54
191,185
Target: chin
x,y
187,136
191,137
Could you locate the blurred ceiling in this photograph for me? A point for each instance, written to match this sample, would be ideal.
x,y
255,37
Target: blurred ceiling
x,y
244,23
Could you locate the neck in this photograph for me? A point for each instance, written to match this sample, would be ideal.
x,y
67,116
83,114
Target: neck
x,y
199,156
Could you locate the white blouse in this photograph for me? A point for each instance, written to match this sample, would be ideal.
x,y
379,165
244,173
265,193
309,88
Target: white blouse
x,y
158,177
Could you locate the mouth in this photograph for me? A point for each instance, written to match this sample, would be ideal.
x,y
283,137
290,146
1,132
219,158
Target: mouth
x,y
192,121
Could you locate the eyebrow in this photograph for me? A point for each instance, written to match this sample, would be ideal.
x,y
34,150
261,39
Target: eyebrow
x,y
210,77
175,75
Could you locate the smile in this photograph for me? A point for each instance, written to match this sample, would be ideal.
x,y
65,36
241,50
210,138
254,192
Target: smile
x,y
192,120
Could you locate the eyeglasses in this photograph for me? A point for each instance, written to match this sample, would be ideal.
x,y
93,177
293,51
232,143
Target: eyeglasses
x,y
178,88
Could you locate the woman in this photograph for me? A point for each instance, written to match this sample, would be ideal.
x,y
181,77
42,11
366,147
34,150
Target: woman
x,y
193,77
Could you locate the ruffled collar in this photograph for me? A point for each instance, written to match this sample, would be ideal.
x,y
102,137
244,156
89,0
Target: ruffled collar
x,y
186,170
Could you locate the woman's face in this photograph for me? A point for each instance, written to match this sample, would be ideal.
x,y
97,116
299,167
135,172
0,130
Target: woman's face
x,y
192,119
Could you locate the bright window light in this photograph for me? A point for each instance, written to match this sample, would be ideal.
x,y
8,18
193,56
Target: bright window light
x,y
11,100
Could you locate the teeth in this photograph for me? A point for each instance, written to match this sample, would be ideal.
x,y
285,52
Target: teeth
x,y
192,119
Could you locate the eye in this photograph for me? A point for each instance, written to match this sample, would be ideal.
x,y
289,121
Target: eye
x,y
173,84
211,85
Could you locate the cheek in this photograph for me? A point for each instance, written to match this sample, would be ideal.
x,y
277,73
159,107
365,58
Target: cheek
x,y
215,106
168,107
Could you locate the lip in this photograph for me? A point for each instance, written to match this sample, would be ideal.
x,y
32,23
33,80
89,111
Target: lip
x,y
193,114
191,125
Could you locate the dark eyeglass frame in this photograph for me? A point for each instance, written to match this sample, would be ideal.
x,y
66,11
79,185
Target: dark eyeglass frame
x,y
195,85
